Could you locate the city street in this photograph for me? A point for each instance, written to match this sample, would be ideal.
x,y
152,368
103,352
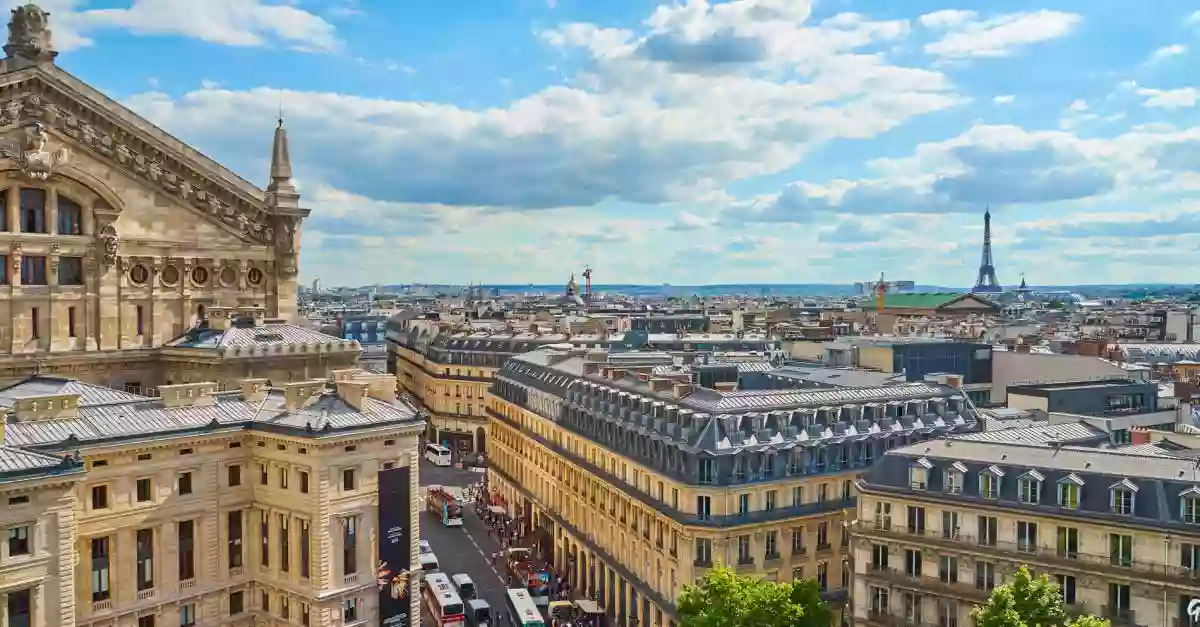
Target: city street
x,y
467,549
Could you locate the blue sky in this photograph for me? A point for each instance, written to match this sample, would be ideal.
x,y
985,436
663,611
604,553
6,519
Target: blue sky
x,y
745,141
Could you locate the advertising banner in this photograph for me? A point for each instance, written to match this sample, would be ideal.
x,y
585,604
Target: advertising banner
x,y
395,540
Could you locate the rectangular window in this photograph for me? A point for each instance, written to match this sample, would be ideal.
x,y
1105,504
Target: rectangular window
x,y
348,479
35,324
33,270
100,497
950,525
187,549
743,504
349,545
948,569
703,507
265,532
33,210
1067,542
70,217
1068,496
1066,585
71,322
100,570
284,546
235,539
141,320
797,540
70,270
237,603
1120,549
1027,540
262,474
303,482
234,474
304,556
913,561
185,483
18,540
283,478
20,607
145,559
187,615
142,488
987,531
916,520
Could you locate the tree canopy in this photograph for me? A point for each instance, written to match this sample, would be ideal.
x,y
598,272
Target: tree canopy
x,y
1029,601
725,599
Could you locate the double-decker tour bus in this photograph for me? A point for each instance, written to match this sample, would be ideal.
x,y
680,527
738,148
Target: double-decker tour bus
x,y
443,602
441,503
521,610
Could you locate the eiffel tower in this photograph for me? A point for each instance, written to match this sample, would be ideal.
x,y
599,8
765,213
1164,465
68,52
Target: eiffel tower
x,y
986,282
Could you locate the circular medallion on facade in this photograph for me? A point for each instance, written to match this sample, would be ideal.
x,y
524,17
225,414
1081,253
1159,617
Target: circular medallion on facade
x,y
254,276
139,274
170,276
200,276
228,276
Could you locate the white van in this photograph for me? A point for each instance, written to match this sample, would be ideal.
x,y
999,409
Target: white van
x,y
466,588
429,562
438,455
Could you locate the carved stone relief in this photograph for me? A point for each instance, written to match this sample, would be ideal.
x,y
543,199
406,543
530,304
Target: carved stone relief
x,y
190,188
108,236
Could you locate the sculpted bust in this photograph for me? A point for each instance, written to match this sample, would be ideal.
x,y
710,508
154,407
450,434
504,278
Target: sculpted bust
x,y
29,34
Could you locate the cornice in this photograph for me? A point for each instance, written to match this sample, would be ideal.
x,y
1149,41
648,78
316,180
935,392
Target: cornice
x,y
44,96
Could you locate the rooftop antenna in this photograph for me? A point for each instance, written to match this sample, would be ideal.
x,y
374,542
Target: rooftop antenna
x,y
281,110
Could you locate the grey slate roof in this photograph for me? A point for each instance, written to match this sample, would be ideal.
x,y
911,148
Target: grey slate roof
x,y
713,400
89,394
1079,433
267,335
1158,482
143,417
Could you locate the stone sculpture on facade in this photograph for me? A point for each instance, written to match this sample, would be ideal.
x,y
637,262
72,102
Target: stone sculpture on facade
x,y
29,152
108,235
29,34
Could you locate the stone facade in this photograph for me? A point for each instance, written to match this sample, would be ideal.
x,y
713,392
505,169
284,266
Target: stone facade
x,y
203,507
114,236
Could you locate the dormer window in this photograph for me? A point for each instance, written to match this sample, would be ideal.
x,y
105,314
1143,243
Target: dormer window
x,y
953,479
1121,497
1068,491
1189,505
918,474
989,482
1029,487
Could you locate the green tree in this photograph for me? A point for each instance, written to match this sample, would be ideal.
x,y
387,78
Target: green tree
x,y
725,599
1028,602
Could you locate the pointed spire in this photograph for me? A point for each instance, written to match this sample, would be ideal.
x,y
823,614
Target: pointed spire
x,y
280,190
281,163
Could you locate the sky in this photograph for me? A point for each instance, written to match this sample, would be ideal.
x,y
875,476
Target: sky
x,y
687,142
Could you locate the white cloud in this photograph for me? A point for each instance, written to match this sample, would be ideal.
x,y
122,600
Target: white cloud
x,y
227,22
1005,99
687,221
966,36
1183,98
1166,52
1192,19
990,166
706,95
948,18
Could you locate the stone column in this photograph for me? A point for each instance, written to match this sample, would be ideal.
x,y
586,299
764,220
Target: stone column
x,y
51,210
20,321
37,613
13,205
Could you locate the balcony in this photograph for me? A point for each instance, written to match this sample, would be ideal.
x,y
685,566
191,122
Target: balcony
x,y
145,595
771,559
101,606
1118,615
350,580
236,571
1043,554
932,584
702,563
186,584
824,547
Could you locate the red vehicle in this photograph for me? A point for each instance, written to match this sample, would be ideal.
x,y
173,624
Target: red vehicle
x,y
533,574
442,602
443,504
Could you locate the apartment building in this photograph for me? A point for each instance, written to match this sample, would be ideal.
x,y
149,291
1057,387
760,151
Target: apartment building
x,y
641,480
255,506
943,522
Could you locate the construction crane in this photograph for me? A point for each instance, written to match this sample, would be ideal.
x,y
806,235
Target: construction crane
x,y
881,290
587,283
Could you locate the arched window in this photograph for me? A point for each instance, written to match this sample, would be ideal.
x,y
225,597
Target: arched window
x,y
33,210
70,217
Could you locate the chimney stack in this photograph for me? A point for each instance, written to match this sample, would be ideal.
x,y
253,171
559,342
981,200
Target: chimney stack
x,y
254,390
188,394
352,392
301,394
47,407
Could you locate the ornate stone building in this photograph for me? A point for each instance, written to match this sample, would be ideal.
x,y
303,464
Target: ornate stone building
x,y
115,237
251,507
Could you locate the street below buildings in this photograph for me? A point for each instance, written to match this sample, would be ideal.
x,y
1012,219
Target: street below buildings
x,y
467,549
